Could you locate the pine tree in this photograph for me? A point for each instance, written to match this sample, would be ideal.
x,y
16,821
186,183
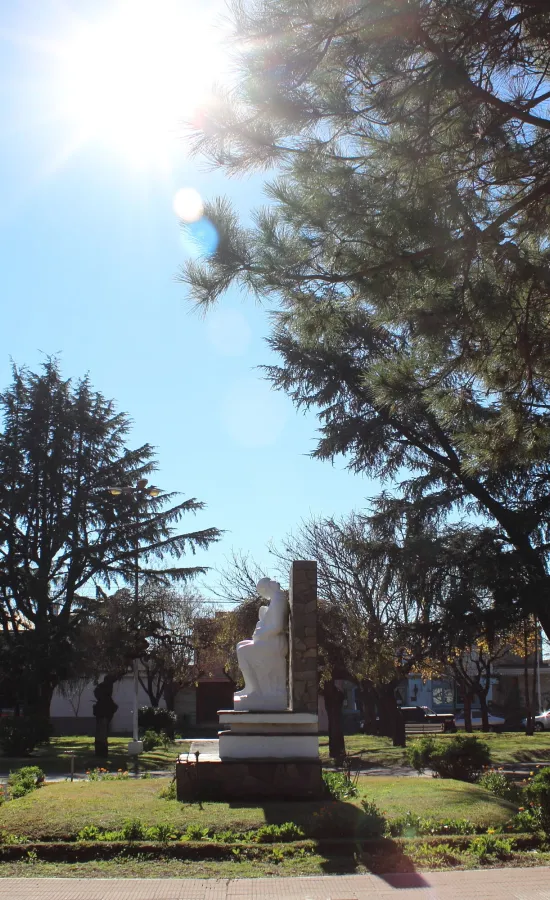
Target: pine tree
x,y
62,447
405,249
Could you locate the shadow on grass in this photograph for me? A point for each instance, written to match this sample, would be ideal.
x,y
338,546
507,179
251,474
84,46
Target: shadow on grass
x,y
319,818
338,826
531,756
54,757
469,794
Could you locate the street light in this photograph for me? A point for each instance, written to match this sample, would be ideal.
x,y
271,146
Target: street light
x,y
141,491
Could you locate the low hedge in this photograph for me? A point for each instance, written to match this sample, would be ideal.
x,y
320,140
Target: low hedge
x,y
86,851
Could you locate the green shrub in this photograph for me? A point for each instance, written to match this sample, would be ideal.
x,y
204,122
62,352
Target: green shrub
x,y
411,825
19,735
196,833
419,753
133,830
438,854
228,837
89,833
273,834
537,794
24,780
489,846
373,821
289,831
168,793
154,718
7,837
408,825
527,820
462,757
151,740
500,786
101,774
163,833
339,785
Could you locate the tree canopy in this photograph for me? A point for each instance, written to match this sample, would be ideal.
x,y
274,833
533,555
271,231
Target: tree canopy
x,y
62,447
404,250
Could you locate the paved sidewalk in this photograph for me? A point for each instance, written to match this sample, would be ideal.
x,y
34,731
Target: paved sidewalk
x,y
484,884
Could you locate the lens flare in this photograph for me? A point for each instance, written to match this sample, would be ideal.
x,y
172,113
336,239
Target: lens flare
x,y
188,205
204,236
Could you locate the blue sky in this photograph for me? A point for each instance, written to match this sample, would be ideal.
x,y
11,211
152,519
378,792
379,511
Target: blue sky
x,y
89,247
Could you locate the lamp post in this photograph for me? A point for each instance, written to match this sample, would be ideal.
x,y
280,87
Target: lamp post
x,y
141,491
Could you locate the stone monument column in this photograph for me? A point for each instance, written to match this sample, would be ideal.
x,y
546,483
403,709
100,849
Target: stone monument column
x,y
303,678
268,744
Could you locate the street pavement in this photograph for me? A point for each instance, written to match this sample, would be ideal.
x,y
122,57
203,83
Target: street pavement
x,y
481,884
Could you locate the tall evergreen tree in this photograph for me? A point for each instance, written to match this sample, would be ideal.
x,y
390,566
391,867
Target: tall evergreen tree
x,y
62,446
405,247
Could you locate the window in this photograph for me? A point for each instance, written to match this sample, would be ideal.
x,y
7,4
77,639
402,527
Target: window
x,y
442,693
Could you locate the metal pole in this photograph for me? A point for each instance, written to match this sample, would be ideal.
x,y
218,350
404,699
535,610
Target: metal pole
x,y
538,652
136,661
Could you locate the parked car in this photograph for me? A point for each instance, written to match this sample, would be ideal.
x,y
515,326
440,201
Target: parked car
x,y
542,721
423,714
413,714
496,723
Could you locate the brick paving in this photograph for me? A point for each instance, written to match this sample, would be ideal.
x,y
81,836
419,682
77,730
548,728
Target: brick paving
x,y
484,884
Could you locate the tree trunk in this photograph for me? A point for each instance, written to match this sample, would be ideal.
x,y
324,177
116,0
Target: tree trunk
x,y
104,710
482,695
39,702
536,698
392,724
468,711
171,691
530,721
154,694
399,734
368,706
334,702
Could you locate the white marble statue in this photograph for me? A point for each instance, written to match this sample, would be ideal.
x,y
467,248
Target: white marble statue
x,y
263,659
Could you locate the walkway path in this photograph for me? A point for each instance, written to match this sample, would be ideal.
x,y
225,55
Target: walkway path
x,y
485,884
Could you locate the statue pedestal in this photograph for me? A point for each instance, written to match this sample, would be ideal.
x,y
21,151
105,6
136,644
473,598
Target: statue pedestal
x,y
268,735
259,756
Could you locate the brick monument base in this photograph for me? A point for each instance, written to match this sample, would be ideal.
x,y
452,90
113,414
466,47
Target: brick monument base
x,y
240,779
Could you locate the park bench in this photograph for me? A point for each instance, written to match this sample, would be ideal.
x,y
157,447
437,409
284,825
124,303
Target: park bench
x,y
424,727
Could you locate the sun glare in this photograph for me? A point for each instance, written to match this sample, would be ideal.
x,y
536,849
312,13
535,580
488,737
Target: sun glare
x,y
129,80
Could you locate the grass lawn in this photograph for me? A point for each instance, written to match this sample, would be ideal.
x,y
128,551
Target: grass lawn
x,y
508,747
416,859
54,758
441,798
171,868
60,809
